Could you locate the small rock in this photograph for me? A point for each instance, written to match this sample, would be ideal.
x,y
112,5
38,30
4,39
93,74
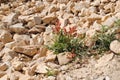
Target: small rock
x,y
41,68
9,18
18,28
50,57
115,46
37,20
104,1
27,50
5,77
3,66
49,18
2,73
1,45
18,65
19,37
63,58
15,43
49,78
35,30
109,21
5,36
43,51
8,54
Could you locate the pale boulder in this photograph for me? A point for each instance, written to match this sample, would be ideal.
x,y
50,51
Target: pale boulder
x,y
17,28
41,68
63,58
3,66
37,20
115,46
15,43
18,65
27,50
9,18
49,18
1,45
5,36
19,37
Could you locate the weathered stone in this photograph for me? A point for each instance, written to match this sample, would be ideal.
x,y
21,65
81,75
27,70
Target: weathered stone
x,y
1,45
18,65
43,51
63,58
18,28
41,68
50,56
49,18
37,40
5,36
27,50
2,73
5,77
117,6
37,20
49,78
18,37
49,0
103,61
3,66
15,43
62,1
115,46
8,54
103,1
35,30
9,18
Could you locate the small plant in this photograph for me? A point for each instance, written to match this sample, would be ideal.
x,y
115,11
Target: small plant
x,y
50,72
67,41
103,40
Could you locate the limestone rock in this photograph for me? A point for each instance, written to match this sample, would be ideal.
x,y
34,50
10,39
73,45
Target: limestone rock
x,y
50,56
5,36
115,46
1,45
63,58
117,6
37,20
2,73
27,50
49,18
18,65
103,1
3,66
110,21
19,37
17,28
8,54
41,68
62,1
9,18
15,43
43,51
36,29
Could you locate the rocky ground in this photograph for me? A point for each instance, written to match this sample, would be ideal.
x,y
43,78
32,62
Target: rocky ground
x,y
26,26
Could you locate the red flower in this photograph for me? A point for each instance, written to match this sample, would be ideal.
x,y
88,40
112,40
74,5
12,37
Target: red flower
x,y
57,28
72,30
